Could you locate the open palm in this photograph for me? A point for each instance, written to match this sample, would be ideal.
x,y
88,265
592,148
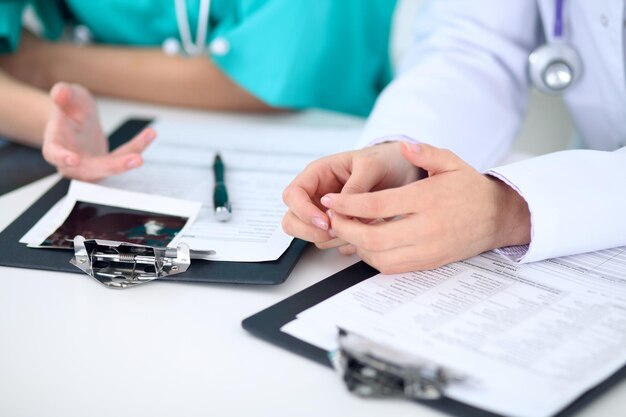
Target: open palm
x,y
75,143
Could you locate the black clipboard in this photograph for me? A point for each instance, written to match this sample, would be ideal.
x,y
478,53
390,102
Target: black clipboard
x,y
15,254
267,323
21,165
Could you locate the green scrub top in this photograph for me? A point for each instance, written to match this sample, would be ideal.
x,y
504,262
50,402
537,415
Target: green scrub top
x,y
50,15
330,54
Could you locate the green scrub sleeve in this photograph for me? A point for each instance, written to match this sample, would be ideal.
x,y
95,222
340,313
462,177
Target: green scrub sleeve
x,y
48,12
330,54
51,16
10,25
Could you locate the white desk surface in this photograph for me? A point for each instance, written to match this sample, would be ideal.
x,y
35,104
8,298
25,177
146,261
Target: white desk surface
x,y
69,347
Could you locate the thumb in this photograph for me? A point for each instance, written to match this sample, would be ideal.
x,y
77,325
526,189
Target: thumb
x,y
61,94
73,100
432,159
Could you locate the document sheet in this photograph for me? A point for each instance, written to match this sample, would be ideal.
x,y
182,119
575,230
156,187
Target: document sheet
x,y
531,338
260,160
94,211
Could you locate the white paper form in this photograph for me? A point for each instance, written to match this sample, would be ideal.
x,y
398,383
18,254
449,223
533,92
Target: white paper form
x,y
91,193
260,160
531,337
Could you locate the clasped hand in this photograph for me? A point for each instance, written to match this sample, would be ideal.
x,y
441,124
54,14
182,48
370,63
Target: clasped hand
x,y
371,202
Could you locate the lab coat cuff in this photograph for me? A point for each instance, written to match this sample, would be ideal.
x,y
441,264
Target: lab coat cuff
x,y
514,253
543,212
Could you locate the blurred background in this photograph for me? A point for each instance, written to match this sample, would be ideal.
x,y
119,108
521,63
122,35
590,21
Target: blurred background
x,y
547,127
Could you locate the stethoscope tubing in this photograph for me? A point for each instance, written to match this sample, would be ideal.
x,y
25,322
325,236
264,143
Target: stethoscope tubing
x,y
190,47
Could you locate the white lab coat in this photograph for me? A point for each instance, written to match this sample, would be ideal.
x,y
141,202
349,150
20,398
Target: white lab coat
x,y
463,86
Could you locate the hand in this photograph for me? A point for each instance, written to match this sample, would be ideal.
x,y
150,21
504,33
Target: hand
x,y
374,168
453,214
75,143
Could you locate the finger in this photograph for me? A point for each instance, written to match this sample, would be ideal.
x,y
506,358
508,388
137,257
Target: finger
x,y
381,236
53,148
59,124
138,144
432,159
365,175
297,196
74,100
403,259
378,204
347,250
333,243
294,226
58,155
61,94
96,168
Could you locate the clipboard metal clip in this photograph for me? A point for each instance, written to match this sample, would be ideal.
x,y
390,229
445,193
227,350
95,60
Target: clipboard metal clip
x,y
123,265
373,370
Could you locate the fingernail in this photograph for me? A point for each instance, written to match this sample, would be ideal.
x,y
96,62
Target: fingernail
x,y
326,201
414,147
319,222
132,163
332,234
55,89
150,135
69,161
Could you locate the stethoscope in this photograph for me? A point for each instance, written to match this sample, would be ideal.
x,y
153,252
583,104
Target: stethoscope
x,y
81,35
172,46
555,66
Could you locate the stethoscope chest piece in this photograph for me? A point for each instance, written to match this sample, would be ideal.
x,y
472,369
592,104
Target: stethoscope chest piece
x,y
554,67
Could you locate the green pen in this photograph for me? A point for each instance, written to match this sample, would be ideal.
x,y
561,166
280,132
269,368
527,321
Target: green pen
x,y
220,195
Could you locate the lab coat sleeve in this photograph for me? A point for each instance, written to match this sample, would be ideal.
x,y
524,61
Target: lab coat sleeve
x,y
462,85
310,53
577,201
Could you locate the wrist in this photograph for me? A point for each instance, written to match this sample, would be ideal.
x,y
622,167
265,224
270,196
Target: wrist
x,y
512,216
36,61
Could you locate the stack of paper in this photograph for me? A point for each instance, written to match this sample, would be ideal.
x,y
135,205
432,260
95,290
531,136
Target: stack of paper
x,y
532,338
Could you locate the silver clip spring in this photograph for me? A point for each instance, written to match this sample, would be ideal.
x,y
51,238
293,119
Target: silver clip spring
x,y
123,265
373,370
